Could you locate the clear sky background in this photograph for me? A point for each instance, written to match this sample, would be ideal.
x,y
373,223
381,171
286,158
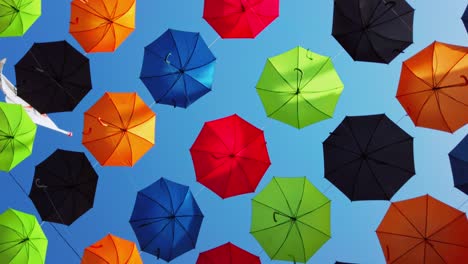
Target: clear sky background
x,y
369,89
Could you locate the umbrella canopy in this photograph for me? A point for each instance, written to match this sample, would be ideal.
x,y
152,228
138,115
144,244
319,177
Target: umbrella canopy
x,y
299,87
423,230
63,187
240,18
465,18
22,240
112,250
433,87
459,162
230,156
166,219
119,129
53,77
291,219
17,16
178,68
373,30
17,133
368,157
102,25
227,253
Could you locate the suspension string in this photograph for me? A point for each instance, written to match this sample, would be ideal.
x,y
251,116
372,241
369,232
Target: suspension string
x,y
214,41
199,191
19,185
401,118
466,201
65,240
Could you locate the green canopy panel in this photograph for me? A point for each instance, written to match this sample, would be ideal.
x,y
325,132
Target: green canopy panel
x,y
291,219
299,87
17,16
22,240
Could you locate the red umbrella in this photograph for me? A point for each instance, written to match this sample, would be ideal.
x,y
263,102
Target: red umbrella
x,y
227,253
230,156
240,18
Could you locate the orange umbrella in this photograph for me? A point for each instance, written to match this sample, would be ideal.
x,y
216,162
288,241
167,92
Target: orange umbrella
x,y
433,87
119,129
111,249
102,25
424,230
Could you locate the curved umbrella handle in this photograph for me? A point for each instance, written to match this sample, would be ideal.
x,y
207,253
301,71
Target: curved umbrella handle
x,y
308,55
87,132
38,185
300,78
167,58
274,216
97,246
392,4
388,253
102,122
464,78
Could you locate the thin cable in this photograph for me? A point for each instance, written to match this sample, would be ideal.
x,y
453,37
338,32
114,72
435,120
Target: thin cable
x,y
466,201
95,164
337,55
199,191
63,238
401,118
19,185
214,41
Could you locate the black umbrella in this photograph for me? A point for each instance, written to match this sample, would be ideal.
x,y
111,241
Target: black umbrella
x,y
373,30
64,186
53,77
368,157
465,18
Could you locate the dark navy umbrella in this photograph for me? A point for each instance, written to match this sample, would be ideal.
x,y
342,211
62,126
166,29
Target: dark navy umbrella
x,y
459,162
465,18
166,219
178,68
339,262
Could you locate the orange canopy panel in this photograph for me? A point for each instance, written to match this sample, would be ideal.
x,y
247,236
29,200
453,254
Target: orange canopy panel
x,y
112,250
102,25
433,87
119,129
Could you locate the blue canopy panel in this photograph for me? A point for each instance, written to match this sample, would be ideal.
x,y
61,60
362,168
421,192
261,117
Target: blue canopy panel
x,y
459,162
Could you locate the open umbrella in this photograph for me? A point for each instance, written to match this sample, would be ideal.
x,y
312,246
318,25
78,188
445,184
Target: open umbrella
x,y
368,157
373,30
230,156
17,16
63,187
178,68
291,219
227,253
433,87
17,133
119,129
166,219
22,240
112,250
465,18
299,87
459,162
102,25
424,230
240,18
53,77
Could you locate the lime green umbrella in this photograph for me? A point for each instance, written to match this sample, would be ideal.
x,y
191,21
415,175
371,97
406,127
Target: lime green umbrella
x,y
290,219
16,16
22,240
299,87
17,133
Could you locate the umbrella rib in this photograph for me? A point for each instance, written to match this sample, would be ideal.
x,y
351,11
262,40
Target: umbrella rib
x,y
378,181
408,251
142,122
414,74
116,249
33,246
247,158
407,219
302,197
215,168
448,243
260,133
220,139
185,231
302,240
391,39
170,88
193,78
95,140
270,91
229,178
100,257
176,47
122,135
264,229
158,76
456,100
106,31
311,211
280,75
441,113
284,196
201,66
280,107
391,165
309,103
418,92
373,133
155,236
16,254
14,230
338,8
373,48
130,255
272,208
356,177
437,253
399,16
348,127
311,227
284,241
104,23
92,11
422,107
341,148
192,52
328,60
245,175
444,226
373,13
395,234
151,198
170,197
353,55
342,166
451,68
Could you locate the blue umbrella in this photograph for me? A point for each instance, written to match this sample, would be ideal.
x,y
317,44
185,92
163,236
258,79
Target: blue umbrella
x,y
166,219
178,68
465,18
459,162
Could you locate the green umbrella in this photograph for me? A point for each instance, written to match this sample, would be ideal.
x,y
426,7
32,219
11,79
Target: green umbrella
x,y
290,219
16,16
22,240
17,133
299,87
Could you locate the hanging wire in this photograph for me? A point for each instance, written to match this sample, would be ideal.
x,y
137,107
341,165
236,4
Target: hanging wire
x,y
214,41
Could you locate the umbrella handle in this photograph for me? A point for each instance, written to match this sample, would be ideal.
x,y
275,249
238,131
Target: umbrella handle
x,y
102,122
294,259
388,253
308,55
41,186
87,132
392,3
97,246
464,78
398,51
167,58
274,216
158,252
300,79
77,20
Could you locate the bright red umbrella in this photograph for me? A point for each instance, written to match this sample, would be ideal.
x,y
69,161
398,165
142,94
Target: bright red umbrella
x,y
227,253
230,156
240,18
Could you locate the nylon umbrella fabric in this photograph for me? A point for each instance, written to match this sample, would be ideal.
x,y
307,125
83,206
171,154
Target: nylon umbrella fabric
x,y
299,87
373,30
64,187
291,219
423,230
53,77
230,156
22,240
112,249
465,18
17,134
178,68
459,164
166,219
17,16
368,157
119,129
433,87
227,253
102,25
240,18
